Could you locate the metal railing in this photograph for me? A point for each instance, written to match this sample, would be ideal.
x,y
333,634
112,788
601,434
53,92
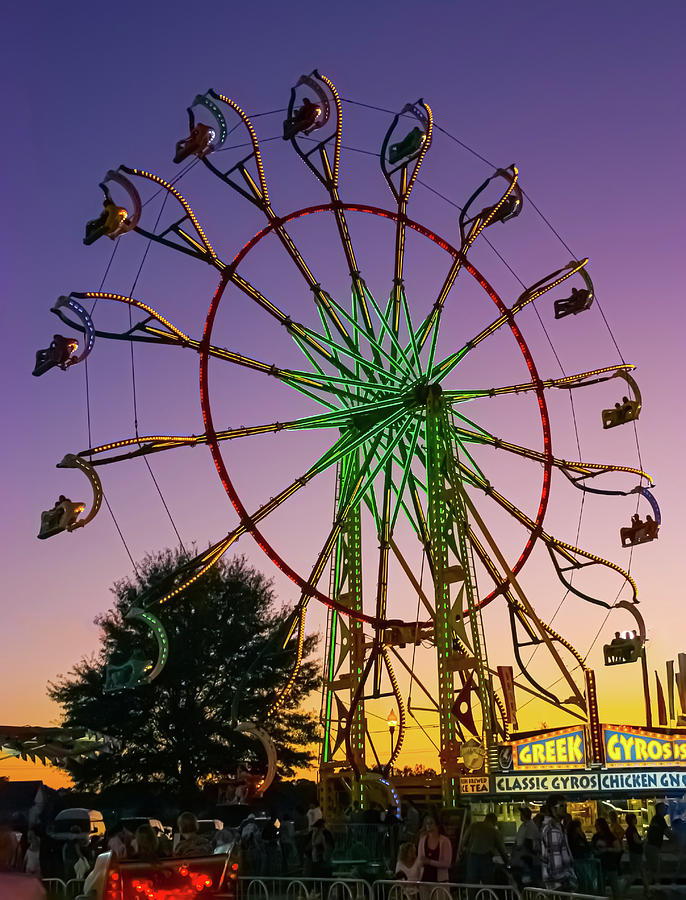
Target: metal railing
x,y
534,893
295,888
443,890
55,888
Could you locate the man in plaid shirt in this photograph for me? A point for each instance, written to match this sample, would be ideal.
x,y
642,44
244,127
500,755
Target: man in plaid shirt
x,y
556,857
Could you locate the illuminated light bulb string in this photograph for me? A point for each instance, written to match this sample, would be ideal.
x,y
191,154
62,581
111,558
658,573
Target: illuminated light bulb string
x,y
133,372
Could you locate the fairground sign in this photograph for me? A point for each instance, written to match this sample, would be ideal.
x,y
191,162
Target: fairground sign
x,y
626,746
474,784
564,749
626,782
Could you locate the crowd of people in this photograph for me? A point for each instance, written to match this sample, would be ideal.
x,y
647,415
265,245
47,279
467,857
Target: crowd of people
x,y
550,849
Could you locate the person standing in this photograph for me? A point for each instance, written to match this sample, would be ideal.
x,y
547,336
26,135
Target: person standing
x,y
314,814
634,845
322,850
556,858
658,830
15,885
525,854
483,841
435,852
32,856
412,820
608,851
615,827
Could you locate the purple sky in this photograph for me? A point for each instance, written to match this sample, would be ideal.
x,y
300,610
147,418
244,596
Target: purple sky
x,y
583,100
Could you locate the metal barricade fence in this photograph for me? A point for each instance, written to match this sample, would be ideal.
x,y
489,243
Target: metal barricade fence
x,y
74,887
267,888
355,839
55,888
443,890
533,893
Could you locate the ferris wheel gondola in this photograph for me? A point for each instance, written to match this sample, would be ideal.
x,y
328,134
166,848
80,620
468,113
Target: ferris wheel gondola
x,y
629,409
203,139
579,301
641,532
138,669
64,515
114,220
311,114
507,207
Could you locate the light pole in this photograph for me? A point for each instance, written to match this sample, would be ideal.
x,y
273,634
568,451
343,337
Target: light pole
x,y
392,722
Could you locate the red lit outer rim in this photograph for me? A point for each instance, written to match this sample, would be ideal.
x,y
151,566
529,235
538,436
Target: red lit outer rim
x,y
213,443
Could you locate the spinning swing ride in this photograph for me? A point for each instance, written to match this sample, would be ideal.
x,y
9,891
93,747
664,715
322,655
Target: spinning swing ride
x,y
388,402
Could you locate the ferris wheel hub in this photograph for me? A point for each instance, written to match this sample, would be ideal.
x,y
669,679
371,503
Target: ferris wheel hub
x,y
423,392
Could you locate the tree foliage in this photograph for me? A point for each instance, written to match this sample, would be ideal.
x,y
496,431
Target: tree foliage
x,y
225,650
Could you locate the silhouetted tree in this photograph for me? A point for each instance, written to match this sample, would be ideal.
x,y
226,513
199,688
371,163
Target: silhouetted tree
x,y
226,658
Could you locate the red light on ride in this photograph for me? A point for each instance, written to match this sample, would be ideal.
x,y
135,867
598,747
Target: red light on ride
x,y
183,871
235,867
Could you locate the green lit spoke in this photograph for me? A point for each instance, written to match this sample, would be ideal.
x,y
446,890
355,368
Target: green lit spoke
x,y
406,467
367,365
414,346
376,345
300,334
384,318
404,453
353,439
360,486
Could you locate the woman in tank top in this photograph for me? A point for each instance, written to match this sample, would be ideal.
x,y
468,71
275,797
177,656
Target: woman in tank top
x,y
435,852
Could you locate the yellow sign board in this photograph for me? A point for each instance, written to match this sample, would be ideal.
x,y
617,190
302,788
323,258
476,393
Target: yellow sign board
x,y
625,746
564,749
474,784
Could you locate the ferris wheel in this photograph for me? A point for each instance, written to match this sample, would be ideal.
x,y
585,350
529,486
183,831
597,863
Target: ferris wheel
x,y
382,422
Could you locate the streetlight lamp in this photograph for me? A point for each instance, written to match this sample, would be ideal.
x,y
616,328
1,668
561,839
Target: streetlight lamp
x,y
392,722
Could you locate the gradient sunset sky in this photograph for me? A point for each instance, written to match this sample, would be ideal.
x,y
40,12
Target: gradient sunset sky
x,y
585,98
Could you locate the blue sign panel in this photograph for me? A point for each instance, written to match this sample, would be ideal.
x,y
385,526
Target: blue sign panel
x,y
627,745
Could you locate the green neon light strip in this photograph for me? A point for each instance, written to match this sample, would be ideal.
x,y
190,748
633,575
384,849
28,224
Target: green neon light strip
x,y
394,340
359,305
406,472
413,340
321,374
359,332
387,453
349,442
368,366
365,385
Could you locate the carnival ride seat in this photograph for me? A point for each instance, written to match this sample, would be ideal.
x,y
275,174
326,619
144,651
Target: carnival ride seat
x,y
303,120
639,532
59,353
62,517
623,650
580,300
200,142
508,209
407,147
626,411
127,675
109,222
